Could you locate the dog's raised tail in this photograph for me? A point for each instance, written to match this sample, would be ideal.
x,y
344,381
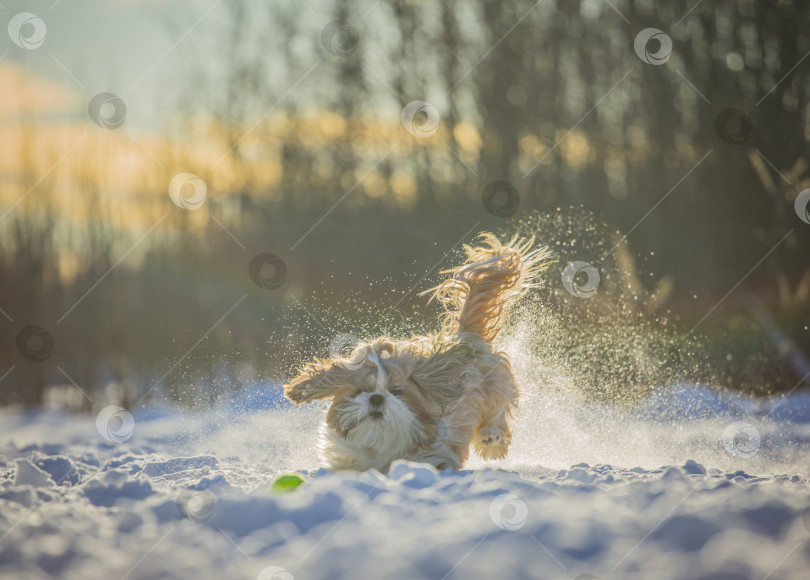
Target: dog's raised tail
x,y
479,293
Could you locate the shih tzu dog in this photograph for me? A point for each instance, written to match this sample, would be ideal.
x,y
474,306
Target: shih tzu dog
x,y
428,398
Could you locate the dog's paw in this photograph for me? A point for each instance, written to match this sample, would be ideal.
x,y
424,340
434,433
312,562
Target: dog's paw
x,y
490,436
492,443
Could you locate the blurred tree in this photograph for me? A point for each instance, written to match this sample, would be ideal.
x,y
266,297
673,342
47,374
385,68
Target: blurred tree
x,y
565,110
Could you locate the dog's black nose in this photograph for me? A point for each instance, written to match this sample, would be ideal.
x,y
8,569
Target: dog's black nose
x,y
376,400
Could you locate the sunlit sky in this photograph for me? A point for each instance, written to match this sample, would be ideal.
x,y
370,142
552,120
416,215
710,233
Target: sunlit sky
x,y
141,49
119,46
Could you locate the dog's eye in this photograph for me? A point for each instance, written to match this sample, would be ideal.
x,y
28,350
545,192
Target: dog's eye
x,y
396,389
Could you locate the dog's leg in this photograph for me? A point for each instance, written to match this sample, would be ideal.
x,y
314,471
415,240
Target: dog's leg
x,y
493,434
444,456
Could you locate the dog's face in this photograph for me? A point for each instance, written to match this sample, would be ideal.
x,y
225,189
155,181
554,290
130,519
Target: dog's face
x,y
387,396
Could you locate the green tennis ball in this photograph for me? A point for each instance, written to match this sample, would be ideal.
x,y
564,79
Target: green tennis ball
x,y
286,483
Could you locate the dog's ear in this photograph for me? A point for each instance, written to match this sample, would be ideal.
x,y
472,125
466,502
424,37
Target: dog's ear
x,y
440,375
317,380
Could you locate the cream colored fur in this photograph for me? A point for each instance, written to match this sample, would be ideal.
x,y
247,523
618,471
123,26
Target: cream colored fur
x,y
429,398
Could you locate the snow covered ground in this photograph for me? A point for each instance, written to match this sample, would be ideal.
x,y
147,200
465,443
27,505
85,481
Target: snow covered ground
x,y
692,485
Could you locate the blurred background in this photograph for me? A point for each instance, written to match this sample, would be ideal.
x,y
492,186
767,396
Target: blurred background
x,y
321,201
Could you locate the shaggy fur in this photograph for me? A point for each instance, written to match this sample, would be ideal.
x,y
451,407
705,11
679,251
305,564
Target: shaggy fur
x,y
428,398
